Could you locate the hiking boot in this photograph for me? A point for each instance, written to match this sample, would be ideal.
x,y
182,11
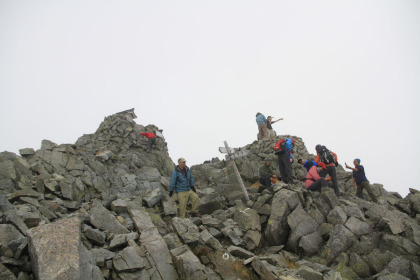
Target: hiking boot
x,y
196,215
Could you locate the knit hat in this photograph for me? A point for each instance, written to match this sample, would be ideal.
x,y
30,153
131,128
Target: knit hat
x,y
358,160
321,164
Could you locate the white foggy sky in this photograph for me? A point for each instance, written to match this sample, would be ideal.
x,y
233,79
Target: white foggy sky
x,y
341,73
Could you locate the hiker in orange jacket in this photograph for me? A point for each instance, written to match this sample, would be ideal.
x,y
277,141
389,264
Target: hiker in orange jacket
x,y
330,160
151,141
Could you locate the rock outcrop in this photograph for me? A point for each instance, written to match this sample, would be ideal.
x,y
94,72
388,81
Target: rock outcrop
x,y
99,209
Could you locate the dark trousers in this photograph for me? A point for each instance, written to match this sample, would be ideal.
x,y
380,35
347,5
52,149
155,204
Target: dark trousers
x,y
333,174
365,185
285,167
317,185
150,143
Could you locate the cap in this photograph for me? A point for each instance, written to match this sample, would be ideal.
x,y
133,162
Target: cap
x,y
181,160
269,117
321,164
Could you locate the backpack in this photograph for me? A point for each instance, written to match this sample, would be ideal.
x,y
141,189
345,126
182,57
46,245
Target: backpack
x,y
280,146
325,155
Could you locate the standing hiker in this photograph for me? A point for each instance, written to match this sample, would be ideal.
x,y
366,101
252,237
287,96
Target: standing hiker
x,y
283,150
330,159
182,182
262,126
314,181
151,140
271,134
359,179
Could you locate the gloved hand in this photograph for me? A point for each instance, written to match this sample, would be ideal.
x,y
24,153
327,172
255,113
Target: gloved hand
x,y
171,193
193,189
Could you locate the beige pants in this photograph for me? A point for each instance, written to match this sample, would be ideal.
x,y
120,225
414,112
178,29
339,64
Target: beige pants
x,y
183,198
262,131
271,134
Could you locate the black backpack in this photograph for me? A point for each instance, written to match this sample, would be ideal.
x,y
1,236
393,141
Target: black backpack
x,y
325,155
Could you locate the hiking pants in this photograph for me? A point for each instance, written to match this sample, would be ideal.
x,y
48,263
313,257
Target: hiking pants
x,y
285,167
262,131
333,174
317,185
365,185
150,143
271,134
183,198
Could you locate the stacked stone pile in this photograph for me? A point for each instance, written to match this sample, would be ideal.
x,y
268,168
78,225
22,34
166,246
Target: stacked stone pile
x,y
99,209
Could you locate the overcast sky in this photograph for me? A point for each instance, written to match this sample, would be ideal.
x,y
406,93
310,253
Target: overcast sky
x,y
345,74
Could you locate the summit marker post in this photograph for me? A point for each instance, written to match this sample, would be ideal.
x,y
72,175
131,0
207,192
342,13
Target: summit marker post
x,y
232,156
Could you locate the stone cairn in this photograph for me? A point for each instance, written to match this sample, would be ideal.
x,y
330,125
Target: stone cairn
x,y
99,209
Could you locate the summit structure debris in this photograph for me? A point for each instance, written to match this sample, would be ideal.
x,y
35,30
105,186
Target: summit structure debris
x,y
100,209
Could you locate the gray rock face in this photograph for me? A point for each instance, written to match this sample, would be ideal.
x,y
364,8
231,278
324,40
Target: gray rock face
x,y
102,219
56,255
118,192
187,231
340,240
128,260
188,265
277,230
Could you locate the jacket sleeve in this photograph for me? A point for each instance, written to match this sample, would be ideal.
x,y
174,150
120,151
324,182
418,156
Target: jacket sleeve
x,y
172,182
317,159
192,180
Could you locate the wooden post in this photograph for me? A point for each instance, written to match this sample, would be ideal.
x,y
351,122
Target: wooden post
x,y
241,183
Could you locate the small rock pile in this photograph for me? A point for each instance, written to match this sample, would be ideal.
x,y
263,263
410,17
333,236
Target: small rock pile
x,y
99,209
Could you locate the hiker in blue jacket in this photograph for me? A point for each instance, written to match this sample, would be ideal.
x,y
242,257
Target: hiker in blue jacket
x,y
307,163
262,126
182,183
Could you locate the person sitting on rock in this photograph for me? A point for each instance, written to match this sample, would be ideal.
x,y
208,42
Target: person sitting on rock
x,y
307,163
314,181
266,173
359,179
182,182
151,141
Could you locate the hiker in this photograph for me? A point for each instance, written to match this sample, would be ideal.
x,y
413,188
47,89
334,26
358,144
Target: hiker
x,y
307,163
283,150
359,179
330,159
266,173
314,181
151,140
262,126
182,182
271,133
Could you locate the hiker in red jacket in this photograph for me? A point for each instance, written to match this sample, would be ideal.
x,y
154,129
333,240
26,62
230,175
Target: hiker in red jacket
x,y
330,159
152,139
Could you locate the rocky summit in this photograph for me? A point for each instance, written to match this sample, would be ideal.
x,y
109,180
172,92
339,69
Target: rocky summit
x,y
99,209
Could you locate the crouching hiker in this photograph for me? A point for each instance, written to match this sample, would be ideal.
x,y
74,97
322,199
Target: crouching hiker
x,y
266,173
314,181
307,163
182,182
359,179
